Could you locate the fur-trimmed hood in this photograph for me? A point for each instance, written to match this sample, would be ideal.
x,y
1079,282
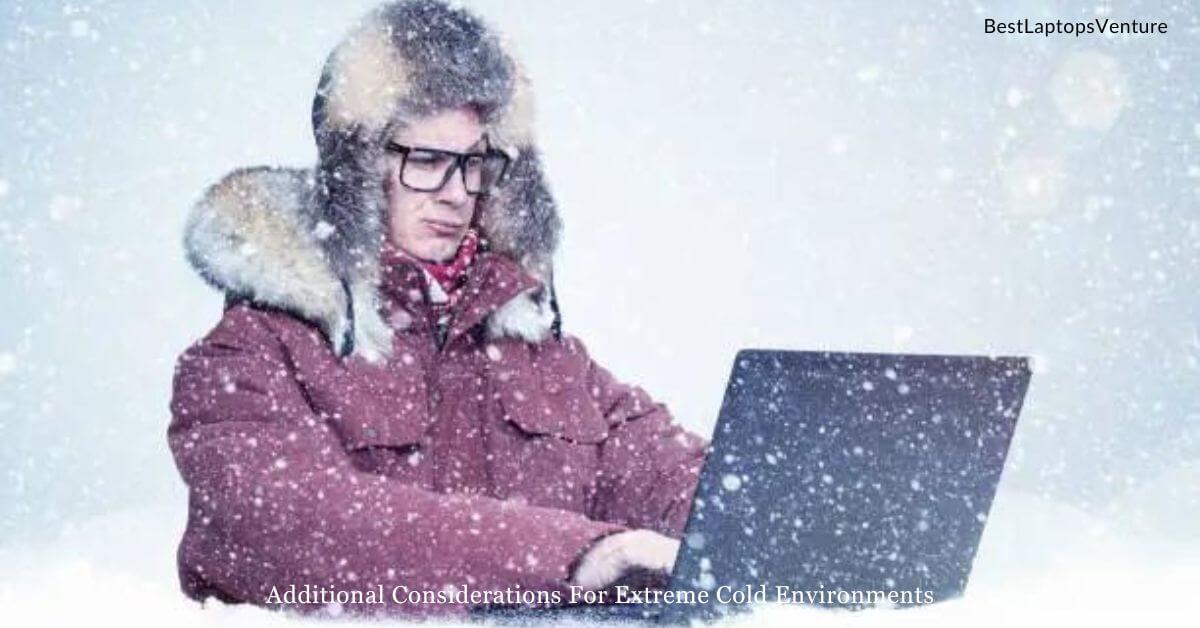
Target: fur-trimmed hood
x,y
308,240
250,236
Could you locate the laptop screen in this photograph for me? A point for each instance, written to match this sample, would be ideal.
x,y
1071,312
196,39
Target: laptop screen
x,y
850,472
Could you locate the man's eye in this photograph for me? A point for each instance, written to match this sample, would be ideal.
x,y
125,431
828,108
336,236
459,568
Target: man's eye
x,y
427,159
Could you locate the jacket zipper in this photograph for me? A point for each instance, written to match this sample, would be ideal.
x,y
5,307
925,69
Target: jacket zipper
x,y
440,331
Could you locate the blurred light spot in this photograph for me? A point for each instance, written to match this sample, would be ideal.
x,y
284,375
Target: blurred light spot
x,y
1090,90
1015,97
1034,183
64,207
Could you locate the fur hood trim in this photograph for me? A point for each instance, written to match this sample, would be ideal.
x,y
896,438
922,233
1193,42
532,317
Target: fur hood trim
x,y
253,235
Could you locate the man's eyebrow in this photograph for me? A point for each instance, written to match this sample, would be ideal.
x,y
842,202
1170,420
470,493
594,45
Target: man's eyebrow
x,y
474,145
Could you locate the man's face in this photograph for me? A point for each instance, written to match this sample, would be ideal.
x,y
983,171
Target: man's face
x,y
430,225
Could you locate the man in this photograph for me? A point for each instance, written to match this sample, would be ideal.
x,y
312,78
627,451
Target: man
x,y
388,403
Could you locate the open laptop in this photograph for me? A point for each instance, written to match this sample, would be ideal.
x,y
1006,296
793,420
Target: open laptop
x,y
836,478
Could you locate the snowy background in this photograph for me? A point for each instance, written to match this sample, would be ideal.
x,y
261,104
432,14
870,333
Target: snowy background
x,y
731,174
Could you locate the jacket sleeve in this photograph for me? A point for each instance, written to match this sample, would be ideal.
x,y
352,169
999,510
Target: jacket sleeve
x,y
275,500
650,466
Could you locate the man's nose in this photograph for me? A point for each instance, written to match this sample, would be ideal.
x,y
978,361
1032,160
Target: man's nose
x,y
454,192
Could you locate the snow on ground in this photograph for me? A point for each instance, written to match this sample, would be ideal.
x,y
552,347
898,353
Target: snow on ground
x,y
1039,562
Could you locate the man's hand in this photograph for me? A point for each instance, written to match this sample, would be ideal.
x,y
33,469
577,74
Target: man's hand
x,y
613,556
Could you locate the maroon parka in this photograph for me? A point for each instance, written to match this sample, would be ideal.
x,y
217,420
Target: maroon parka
x,y
485,463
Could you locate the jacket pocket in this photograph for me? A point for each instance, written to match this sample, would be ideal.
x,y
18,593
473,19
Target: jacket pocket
x,y
546,395
542,415
373,406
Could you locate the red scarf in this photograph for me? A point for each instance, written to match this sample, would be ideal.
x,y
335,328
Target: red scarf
x,y
450,275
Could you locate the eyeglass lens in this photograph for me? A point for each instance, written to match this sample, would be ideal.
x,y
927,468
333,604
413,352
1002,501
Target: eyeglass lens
x,y
429,170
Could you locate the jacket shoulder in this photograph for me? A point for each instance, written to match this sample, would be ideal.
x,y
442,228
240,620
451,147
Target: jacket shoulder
x,y
252,236
245,327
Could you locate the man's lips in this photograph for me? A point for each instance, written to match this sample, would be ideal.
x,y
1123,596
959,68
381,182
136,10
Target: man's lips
x,y
442,228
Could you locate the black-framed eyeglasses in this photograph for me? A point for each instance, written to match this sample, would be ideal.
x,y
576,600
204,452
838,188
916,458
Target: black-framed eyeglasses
x,y
429,169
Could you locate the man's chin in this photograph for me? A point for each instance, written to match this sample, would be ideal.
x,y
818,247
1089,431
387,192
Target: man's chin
x,y
437,254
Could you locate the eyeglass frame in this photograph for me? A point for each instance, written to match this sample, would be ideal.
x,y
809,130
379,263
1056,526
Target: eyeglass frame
x,y
460,160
